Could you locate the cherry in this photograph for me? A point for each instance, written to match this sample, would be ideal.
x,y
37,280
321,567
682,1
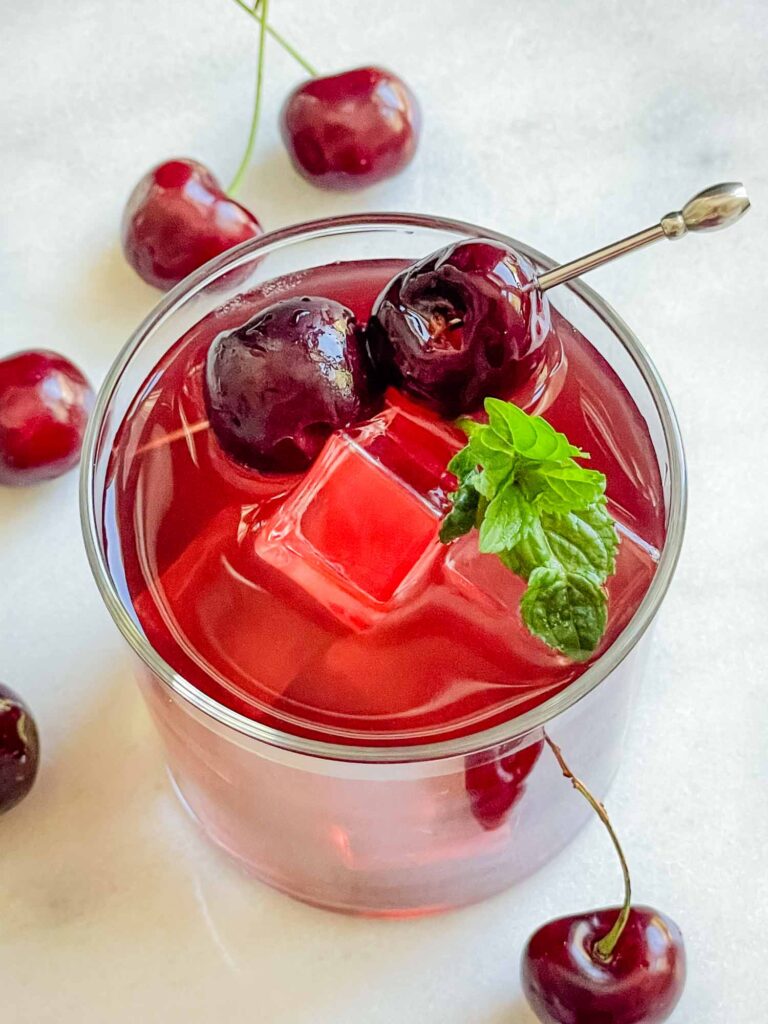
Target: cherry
x,y
461,324
177,218
624,965
278,385
352,129
19,749
495,786
566,982
44,405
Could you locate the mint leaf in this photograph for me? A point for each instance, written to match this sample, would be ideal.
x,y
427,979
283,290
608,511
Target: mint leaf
x,y
546,518
600,519
461,518
462,464
530,436
506,521
469,426
557,488
566,610
498,465
583,541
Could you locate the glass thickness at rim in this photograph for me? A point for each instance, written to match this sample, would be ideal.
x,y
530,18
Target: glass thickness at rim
x,y
90,503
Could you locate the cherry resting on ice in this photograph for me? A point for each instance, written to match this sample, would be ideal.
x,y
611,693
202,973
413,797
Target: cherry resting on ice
x,y
350,130
44,405
19,749
622,965
277,386
460,325
177,218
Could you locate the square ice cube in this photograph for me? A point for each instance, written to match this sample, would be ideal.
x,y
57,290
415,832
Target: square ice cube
x,y
231,624
360,532
490,595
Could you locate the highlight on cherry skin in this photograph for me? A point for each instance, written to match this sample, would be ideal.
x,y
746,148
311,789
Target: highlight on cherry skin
x,y
280,384
350,130
462,324
19,749
45,402
177,218
567,982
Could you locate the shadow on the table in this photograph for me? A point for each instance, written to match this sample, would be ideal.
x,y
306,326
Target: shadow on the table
x,y
342,968
112,289
18,502
88,809
292,199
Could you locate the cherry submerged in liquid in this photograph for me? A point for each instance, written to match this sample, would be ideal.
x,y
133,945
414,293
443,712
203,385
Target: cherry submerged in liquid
x,y
322,603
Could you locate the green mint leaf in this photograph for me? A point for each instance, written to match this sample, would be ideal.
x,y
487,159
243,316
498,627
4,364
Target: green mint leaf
x,y
462,464
566,610
584,541
531,552
461,518
544,516
506,520
600,519
497,465
530,436
469,426
557,488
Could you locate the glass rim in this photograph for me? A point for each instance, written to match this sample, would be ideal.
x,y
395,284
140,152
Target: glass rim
x,y
505,732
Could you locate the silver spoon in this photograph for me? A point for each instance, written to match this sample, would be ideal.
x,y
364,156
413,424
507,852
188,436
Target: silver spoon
x,y
716,207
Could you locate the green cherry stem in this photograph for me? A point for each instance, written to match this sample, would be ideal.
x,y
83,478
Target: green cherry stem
x,y
604,948
261,17
236,181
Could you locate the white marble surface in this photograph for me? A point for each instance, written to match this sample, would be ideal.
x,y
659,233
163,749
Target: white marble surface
x,y
564,123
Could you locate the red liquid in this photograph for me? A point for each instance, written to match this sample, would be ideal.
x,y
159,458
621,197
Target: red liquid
x,y
323,603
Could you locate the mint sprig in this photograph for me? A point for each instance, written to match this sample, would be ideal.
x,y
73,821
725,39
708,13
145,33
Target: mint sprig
x,y
544,516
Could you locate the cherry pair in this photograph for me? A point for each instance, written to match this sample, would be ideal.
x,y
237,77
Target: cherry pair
x,y
343,131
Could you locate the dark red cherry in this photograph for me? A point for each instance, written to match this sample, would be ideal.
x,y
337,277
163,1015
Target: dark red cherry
x,y
44,405
276,387
350,130
495,785
567,983
19,749
177,218
463,323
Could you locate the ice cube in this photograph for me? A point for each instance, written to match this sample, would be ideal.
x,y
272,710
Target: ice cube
x,y
359,534
229,622
489,588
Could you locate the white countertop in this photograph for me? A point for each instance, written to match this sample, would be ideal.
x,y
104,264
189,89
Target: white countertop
x,y
567,124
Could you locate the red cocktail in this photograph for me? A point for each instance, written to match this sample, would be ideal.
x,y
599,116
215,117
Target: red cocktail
x,y
352,708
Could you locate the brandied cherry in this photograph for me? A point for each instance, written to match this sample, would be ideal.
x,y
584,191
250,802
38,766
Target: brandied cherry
x,y
461,324
277,386
19,749
44,405
624,965
177,218
352,129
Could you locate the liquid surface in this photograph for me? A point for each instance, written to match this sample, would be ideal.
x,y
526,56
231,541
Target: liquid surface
x,y
323,603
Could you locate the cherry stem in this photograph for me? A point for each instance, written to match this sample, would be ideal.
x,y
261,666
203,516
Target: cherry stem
x,y
261,17
603,949
236,181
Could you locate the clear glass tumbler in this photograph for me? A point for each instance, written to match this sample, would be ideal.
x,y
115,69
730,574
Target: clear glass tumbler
x,y
374,830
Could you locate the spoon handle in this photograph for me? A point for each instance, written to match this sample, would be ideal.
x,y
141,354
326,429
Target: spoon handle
x,y
716,207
